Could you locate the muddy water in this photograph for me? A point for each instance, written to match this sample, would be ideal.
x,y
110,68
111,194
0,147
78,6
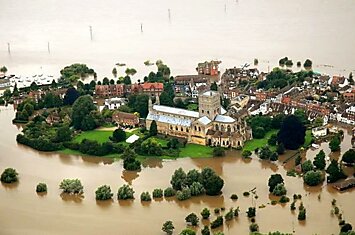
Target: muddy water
x,y
22,211
233,31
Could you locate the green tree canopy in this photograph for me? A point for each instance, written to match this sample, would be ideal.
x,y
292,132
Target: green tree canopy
x,y
9,176
103,193
274,180
292,133
349,157
81,115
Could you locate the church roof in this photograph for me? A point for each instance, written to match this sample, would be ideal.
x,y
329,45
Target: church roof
x,y
224,119
169,120
177,111
210,93
223,111
204,120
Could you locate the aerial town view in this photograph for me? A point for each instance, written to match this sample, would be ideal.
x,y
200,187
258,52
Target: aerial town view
x,y
201,117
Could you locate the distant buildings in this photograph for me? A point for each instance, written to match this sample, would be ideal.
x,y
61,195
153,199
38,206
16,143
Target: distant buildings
x,y
119,90
125,119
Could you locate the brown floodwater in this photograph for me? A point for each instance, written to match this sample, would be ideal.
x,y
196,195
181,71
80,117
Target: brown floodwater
x,y
22,211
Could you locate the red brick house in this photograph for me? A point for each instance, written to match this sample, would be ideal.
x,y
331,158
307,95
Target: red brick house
x,y
110,90
125,119
119,90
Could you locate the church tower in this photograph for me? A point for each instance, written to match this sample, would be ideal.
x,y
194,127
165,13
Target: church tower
x,y
209,104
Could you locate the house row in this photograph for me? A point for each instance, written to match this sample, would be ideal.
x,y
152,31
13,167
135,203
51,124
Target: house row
x,y
120,90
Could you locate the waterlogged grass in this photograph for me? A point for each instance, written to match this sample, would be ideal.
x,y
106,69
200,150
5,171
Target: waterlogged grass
x,y
251,145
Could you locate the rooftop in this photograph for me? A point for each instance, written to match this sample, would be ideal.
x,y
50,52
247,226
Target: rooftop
x,y
178,111
169,120
224,119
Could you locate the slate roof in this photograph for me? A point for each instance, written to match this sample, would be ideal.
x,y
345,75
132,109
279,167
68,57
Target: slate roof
x,y
204,120
169,120
182,112
224,119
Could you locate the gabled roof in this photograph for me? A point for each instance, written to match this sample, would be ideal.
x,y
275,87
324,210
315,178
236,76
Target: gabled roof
x,y
183,112
224,119
169,120
204,120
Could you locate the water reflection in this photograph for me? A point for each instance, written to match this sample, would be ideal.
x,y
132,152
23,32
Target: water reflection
x,y
129,176
104,204
11,185
72,197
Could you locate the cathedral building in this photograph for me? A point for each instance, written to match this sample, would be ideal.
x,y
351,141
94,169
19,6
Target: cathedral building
x,y
209,126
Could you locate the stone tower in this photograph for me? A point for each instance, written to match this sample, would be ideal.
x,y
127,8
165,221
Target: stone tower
x,y
209,104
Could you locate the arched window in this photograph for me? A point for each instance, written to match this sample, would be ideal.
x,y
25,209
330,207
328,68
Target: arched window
x,y
203,111
195,128
223,142
238,143
222,128
182,129
176,128
187,130
238,127
229,128
199,129
217,127
208,112
171,127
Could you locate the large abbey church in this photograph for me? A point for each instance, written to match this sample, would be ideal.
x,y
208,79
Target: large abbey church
x,y
208,126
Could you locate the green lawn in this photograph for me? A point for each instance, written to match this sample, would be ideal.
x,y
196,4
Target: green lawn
x,y
100,136
308,139
196,151
251,145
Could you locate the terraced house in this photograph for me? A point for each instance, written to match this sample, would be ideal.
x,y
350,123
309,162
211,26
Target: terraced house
x,y
209,126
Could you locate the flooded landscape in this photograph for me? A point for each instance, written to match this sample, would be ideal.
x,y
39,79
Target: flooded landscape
x,y
29,213
41,37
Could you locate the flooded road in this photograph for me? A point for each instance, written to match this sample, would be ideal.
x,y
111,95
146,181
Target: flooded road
x,y
22,211
234,31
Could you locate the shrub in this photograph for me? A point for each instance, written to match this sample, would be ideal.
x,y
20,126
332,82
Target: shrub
x,y
125,192
346,228
254,227
157,193
246,153
192,219
212,183
307,166
236,212
274,180
9,176
41,188
205,213
246,194
184,194
187,231
71,186
293,206
229,215
234,197
217,222
205,230
169,192
216,210
307,63
103,193
145,197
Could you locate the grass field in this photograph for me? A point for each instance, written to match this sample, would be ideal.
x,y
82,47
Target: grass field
x,y
308,139
251,145
196,151
100,136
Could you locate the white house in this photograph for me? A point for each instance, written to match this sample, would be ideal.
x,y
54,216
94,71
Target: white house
x,y
319,132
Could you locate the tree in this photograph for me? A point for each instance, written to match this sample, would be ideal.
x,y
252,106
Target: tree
x,y
168,227
279,190
214,86
218,152
112,82
114,72
130,71
272,140
157,193
41,188
246,153
307,166
307,63
192,219
125,192
127,80
3,69
229,215
130,163
334,172
299,63
301,115
178,179
9,176
318,122
168,95
334,144
103,193
301,214
254,227
184,194
276,122
212,183
173,143
313,178
346,228
187,231
292,133
76,71
265,152
145,197
63,134
139,103
150,147
153,130
280,148
217,222
118,135
105,81
349,157
81,114
205,213
251,212
196,189
71,186
169,192
33,86
274,180
205,230
319,160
